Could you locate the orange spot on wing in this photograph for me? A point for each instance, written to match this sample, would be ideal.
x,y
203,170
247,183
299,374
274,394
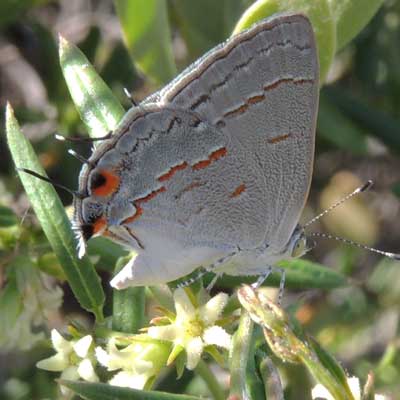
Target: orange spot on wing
x,y
240,189
214,156
99,225
240,110
255,99
201,164
150,196
134,217
278,139
172,171
139,209
108,183
217,154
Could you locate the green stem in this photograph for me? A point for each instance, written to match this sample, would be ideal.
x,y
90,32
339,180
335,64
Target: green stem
x,y
128,305
209,378
239,357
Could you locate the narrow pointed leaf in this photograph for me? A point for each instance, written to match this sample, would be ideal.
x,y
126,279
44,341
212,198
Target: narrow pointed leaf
x,y
102,391
96,104
352,16
81,275
300,274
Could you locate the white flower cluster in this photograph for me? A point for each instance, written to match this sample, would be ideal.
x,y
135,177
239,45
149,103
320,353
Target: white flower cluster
x,y
140,357
136,363
74,359
194,327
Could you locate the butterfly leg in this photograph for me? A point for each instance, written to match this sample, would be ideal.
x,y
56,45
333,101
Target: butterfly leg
x,y
213,281
262,278
266,274
209,268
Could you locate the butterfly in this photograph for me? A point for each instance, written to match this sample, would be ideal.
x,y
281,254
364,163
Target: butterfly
x,y
214,169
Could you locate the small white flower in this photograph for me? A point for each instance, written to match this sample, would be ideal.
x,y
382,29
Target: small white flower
x,y
74,359
194,327
137,362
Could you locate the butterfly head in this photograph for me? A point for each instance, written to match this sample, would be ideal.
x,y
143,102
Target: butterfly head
x,y
299,244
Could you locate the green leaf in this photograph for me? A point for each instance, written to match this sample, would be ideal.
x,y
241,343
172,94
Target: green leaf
x,y
200,33
306,274
48,263
240,354
102,391
336,128
147,36
97,105
128,305
272,381
327,371
254,384
108,251
300,274
211,381
329,363
352,16
81,275
319,13
11,305
378,123
7,217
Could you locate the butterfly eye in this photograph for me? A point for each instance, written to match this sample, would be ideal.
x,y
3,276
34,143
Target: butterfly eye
x,y
300,247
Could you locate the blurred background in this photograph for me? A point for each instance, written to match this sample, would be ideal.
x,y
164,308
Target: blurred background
x,y
358,138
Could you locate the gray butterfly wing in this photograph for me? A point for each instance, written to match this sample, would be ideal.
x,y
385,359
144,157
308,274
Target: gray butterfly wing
x,y
260,89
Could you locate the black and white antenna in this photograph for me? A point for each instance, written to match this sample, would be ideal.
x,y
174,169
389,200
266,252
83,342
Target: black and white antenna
x,y
78,139
74,193
367,185
361,189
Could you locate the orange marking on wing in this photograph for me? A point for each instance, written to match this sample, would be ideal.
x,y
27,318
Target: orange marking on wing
x,y
214,156
278,139
255,99
134,217
150,196
217,154
240,189
201,164
240,110
139,209
277,83
188,188
287,80
172,171
109,184
99,225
